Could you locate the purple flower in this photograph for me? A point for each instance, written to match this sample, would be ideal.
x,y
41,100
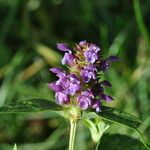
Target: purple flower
x,y
85,99
68,59
61,95
55,87
104,65
83,104
70,84
73,84
106,97
62,98
63,47
91,53
59,72
96,105
88,73
65,86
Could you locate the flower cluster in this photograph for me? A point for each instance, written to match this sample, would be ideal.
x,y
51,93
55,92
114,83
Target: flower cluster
x,y
80,86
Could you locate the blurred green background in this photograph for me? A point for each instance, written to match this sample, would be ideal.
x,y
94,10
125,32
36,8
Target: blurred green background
x,y
29,31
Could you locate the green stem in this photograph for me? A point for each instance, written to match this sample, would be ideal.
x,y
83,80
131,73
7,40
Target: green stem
x,y
97,145
73,125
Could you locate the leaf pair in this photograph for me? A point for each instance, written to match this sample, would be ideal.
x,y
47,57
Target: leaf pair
x,y
42,105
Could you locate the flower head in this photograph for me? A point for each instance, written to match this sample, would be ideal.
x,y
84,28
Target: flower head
x,y
80,86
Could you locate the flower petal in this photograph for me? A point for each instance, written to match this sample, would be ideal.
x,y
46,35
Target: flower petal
x,y
62,98
59,72
107,83
68,59
113,58
81,43
63,47
96,105
106,97
54,87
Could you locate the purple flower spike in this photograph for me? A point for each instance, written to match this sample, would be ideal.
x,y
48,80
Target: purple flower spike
x,y
80,85
62,98
63,47
91,54
106,83
96,105
106,97
68,59
88,73
85,99
59,72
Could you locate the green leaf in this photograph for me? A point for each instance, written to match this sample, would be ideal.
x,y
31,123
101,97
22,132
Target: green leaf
x,y
120,142
115,115
118,116
29,106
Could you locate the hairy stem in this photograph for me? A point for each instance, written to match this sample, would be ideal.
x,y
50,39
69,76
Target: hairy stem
x,y
73,124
